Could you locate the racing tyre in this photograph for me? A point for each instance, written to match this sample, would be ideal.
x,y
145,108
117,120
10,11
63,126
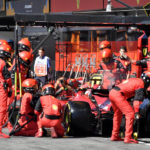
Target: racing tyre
x,y
78,118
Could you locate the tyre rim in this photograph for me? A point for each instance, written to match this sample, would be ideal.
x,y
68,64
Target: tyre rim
x,y
68,119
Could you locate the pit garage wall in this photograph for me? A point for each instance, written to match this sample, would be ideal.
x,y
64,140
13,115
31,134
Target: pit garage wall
x,y
87,48
7,35
132,3
75,5
46,6
82,5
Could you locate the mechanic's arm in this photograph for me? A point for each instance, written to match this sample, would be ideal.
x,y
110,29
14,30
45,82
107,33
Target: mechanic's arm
x,y
69,88
142,63
58,82
59,91
128,71
128,75
7,76
116,67
38,107
138,99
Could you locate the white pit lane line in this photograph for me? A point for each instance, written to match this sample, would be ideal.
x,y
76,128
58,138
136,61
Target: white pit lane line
x,y
144,142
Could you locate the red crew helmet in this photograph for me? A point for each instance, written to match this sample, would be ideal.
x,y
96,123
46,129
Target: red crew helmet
x,y
5,51
24,58
24,45
48,89
29,85
104,44
3,42
107,53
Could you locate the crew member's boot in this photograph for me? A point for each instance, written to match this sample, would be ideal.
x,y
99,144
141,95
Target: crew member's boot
x,y
39,133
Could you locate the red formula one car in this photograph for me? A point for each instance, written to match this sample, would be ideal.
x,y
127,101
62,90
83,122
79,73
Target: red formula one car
x,y
89,112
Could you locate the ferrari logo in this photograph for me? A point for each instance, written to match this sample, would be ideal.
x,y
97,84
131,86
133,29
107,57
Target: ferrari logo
x,y
78,4
138,1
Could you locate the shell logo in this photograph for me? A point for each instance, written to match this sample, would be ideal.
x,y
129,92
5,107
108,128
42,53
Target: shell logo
x,y
54,107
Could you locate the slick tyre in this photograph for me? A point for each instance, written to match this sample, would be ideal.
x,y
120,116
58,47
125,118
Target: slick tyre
x,y
77,118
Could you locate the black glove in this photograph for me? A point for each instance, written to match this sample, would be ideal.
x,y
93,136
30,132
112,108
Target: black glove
x,y
10,93
5,85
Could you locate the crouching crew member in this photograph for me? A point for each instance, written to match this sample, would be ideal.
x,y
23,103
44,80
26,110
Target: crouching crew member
x,y
118,96
5,53
28,103
51,116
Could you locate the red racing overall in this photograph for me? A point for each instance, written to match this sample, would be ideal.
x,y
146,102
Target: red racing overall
x,y
4,75
27,113
118,97
51,117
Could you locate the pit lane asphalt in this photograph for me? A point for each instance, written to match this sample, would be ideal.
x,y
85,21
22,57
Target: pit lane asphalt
x,y
69,143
